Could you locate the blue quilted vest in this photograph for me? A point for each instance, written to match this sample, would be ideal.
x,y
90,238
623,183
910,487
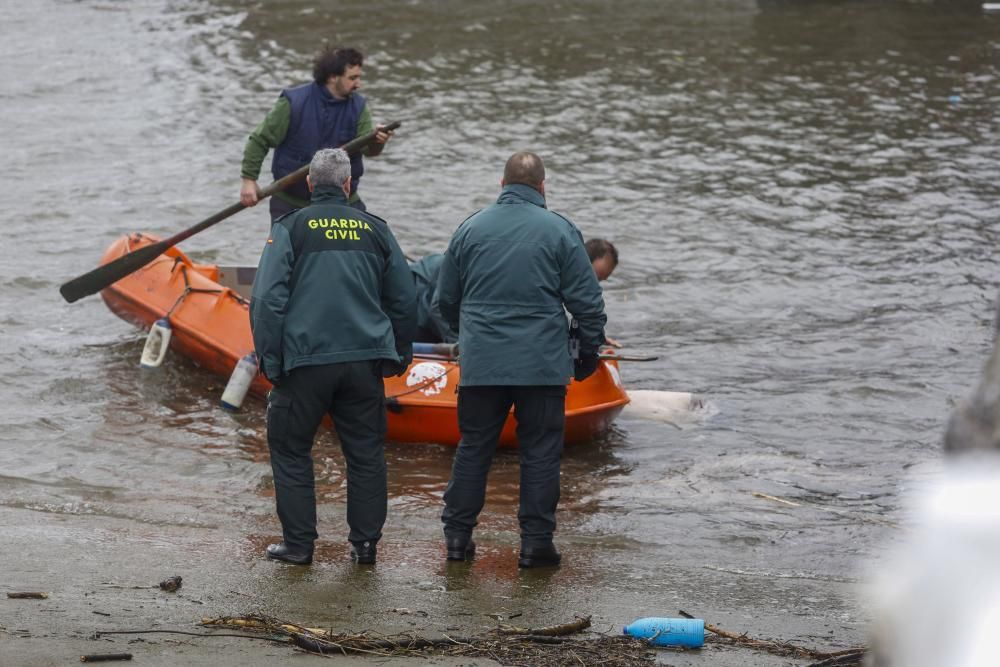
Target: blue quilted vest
x,y
318,120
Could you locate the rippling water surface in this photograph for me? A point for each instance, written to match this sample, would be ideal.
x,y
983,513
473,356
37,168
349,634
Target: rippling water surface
x,y
804,199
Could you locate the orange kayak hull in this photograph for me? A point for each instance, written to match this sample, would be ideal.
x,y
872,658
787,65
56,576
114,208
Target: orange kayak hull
x,y
210,325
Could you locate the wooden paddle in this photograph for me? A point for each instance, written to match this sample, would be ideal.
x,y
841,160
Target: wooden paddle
x,y
106,274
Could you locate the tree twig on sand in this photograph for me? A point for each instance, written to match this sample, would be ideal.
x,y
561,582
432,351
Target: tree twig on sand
x,y
112,584
785,649
105,657
852,659
100,633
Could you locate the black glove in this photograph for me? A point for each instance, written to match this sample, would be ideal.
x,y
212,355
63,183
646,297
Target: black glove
x,y
392,368
585,366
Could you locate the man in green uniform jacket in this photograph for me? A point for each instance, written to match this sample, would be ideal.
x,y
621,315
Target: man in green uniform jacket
x,y
431,325
332,311
508,273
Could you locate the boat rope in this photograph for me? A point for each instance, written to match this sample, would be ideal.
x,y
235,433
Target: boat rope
x,y
222,290
187,288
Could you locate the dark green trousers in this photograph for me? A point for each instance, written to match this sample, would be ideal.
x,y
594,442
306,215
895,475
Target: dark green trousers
x,y
354,396
482,411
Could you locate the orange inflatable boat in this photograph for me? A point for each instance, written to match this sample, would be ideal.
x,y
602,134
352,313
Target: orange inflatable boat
x,y
208,310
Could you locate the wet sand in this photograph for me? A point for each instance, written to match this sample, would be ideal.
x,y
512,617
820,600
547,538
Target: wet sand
x,y
102,574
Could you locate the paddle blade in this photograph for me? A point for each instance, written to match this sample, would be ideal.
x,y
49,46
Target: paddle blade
x,y
110,273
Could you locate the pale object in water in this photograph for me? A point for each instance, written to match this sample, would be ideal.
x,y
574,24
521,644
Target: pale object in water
x,y
671,407
239,382
157,342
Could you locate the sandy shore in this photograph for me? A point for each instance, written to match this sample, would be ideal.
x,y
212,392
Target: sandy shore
x,y
102,574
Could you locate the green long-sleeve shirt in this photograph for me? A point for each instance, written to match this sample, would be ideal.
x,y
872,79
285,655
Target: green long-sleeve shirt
x,y
271,132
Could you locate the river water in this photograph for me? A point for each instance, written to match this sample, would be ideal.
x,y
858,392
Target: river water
x,y
804,197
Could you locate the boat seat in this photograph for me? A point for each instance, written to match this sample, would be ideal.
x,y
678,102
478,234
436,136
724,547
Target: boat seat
x,y
238,278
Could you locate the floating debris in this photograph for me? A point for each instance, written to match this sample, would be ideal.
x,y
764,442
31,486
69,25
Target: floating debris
x,y
507,645
171,584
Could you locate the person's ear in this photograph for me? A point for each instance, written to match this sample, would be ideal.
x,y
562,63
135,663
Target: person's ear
x,y
309,183
347,186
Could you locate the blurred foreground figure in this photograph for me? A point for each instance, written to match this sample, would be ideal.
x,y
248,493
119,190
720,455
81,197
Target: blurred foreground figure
x,y
937,603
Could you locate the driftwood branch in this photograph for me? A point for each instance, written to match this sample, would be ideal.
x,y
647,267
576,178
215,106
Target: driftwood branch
x,y
578,625
785,649
848,659
100,633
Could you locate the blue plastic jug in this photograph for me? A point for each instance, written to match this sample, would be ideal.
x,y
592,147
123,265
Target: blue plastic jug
x,y
688,632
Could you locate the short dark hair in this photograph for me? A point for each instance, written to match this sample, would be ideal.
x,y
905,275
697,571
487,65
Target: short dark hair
x,y
524,168
333,60
598,248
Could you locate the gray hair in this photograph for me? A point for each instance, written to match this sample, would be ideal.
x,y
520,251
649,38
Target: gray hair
x,y
330,166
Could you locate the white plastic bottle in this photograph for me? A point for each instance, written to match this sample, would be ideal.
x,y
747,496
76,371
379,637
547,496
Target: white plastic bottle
x,y
239,382
157,342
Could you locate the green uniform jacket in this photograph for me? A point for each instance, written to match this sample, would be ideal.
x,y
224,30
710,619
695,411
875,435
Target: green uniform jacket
x,y
332,286
425,280
508,272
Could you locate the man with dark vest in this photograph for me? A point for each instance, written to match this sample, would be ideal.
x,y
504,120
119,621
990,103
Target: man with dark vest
x,y
508,273
332,312
325,113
